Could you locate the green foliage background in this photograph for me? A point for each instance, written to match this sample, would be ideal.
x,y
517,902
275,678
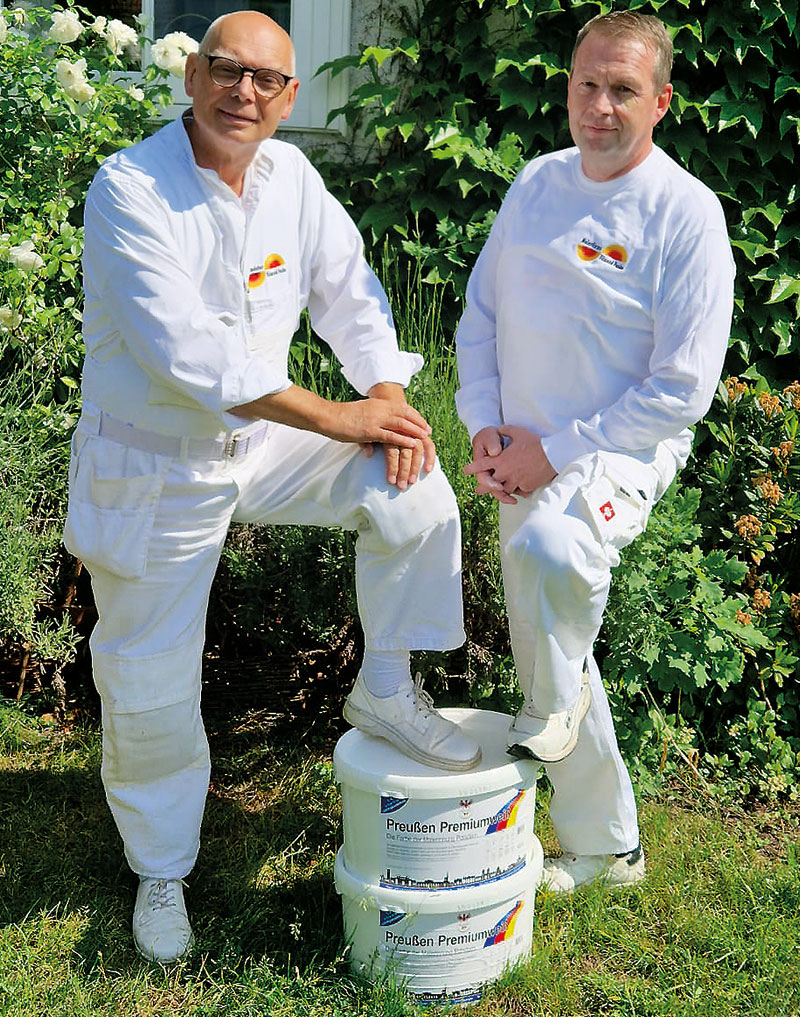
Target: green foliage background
x,y
702,637
470,90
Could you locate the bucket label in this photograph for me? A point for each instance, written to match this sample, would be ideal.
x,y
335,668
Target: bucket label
x,y
450,957
444,844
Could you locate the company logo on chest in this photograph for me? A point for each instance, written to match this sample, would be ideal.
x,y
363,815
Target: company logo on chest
x,y
273,266
610,253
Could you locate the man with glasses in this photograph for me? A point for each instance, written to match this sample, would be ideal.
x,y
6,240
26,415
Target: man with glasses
x,y
203,244
596,325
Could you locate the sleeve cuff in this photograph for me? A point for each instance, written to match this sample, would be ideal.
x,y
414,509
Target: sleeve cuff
x,y
398,367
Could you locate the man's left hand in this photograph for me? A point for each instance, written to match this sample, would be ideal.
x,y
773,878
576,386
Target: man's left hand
x,y
403,465
522,467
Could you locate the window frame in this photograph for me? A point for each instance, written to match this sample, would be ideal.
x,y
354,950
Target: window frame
x,y
329,21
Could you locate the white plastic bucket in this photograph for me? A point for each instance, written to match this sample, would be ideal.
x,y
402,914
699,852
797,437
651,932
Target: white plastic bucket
x,y
412,827
443,946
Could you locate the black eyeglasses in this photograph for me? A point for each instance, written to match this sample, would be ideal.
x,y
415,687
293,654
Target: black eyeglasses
x,y
226,73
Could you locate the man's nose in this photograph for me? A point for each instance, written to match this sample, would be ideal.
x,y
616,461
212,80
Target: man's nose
x,y
601,102
245,91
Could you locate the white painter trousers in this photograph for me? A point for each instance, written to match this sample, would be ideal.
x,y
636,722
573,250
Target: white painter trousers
x,y
150,529
557,551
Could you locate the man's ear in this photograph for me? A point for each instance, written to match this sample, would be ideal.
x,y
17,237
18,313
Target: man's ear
x,y
290,100
189,72
662,103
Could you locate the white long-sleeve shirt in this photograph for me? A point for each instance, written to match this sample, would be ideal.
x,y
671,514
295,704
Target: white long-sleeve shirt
x,y
598,314
192,294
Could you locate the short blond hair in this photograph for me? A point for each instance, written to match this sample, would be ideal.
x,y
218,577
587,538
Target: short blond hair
x,y
644,28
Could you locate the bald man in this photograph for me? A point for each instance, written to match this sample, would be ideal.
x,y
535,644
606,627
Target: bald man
x,y
203,245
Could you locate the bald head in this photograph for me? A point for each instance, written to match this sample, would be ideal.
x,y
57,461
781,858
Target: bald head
x,y
260,30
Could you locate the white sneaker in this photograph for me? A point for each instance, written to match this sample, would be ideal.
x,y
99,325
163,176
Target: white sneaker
x,y
567,872
552,737
409,721
161,929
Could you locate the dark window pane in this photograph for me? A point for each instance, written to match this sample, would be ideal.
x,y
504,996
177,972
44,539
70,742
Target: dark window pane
x,y
194,16
125,10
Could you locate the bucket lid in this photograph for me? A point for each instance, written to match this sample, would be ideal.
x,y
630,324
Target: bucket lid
x,y
372,764
463,898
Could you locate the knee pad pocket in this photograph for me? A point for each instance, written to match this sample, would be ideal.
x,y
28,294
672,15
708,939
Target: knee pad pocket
x,y
150,744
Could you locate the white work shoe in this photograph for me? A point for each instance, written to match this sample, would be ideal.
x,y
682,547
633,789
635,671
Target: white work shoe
x,y
409,721
552,737
161,929
567,872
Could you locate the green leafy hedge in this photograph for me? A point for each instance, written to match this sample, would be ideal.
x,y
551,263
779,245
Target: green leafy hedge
x,y
701,644
471,90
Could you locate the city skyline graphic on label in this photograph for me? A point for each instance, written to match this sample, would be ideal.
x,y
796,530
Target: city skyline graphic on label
x,y
610,254
272,264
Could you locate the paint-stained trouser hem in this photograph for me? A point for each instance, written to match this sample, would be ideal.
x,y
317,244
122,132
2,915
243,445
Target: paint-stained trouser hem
x,y
147,644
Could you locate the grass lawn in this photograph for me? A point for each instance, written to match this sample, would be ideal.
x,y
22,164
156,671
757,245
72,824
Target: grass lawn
x,y
715,932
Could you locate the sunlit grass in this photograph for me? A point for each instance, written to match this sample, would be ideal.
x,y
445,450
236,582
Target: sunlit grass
x,y
715,931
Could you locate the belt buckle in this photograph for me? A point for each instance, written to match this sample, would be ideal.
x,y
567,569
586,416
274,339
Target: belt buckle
x,y
236,446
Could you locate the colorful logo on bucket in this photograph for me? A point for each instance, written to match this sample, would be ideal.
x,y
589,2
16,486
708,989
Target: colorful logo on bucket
x,y
273,264
609,254
507,816
505,927
391,804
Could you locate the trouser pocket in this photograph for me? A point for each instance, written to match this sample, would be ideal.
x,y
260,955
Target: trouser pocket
x,y
113,496
617,498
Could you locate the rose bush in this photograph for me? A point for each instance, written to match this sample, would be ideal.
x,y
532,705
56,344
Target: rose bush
x,y
71,92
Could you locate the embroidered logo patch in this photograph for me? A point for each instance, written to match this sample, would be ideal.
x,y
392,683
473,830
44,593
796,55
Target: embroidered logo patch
x,y
607,511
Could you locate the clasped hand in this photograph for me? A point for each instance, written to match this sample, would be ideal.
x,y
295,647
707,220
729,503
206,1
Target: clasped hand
x,y
510,468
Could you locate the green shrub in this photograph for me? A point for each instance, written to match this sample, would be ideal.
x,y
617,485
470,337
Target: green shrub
x,y
702,631
58,119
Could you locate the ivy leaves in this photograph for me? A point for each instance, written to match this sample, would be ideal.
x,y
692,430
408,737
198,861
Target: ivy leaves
x,y
474,88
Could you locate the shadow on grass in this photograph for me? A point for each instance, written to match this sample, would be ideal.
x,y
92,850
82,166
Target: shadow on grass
x,y
262,890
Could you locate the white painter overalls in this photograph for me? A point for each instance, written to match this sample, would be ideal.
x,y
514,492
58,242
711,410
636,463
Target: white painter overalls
x,y
192,297
150,529
557,551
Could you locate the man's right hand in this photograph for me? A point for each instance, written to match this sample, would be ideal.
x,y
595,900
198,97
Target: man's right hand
x,y
384,418
362,421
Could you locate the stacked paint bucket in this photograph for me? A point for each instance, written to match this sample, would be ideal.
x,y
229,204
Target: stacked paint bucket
x,y
438,871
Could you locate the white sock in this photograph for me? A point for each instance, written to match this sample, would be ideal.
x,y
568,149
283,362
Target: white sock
x,y
386,672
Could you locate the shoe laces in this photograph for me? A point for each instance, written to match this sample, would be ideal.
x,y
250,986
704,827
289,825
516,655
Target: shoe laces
x,y
161,894
424,701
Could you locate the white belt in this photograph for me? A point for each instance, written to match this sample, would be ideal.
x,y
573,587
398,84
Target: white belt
x,y
166,445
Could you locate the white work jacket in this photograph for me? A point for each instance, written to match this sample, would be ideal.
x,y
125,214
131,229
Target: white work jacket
x,y
192,294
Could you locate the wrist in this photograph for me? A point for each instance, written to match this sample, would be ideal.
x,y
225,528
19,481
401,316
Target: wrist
x,y
387,390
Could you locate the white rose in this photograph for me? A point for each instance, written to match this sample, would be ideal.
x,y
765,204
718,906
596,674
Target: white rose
x,y
185,43
69,74
98,26
66,27
168,58
120,36
135,93
3,29
72,78
81,91
24,257
9,318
